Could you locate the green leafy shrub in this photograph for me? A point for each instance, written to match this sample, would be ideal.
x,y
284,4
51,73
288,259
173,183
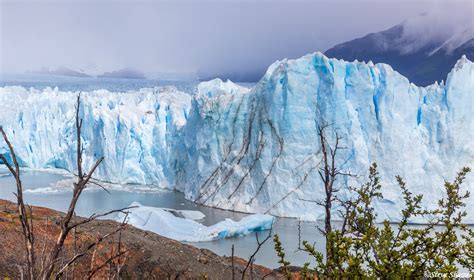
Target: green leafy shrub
x,y
362,249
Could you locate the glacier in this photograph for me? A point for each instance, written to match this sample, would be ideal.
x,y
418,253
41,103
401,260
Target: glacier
x,y
257,149
134,131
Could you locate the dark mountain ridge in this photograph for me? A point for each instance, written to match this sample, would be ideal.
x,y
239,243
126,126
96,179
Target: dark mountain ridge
x,y
422,61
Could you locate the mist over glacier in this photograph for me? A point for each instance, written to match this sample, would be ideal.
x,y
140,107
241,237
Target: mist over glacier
x,y
257,149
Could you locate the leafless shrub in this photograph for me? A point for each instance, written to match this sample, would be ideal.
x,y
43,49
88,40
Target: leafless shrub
x,y
52,262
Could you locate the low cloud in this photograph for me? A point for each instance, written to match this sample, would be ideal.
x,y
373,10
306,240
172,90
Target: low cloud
x,y
227,38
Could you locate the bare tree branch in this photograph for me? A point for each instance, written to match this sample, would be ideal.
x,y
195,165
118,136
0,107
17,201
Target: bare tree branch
x,y
52,259
26,222
96,216
87,249
259,245
329,173
233,264
100,186
79,186
108,261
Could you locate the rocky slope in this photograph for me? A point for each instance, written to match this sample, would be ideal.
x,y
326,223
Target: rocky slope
x,y
149,256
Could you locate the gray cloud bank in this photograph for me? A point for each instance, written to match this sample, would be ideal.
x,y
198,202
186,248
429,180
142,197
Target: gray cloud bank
x,y
236,39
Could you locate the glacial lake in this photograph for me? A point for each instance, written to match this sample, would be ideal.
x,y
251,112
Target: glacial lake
x,y
42,189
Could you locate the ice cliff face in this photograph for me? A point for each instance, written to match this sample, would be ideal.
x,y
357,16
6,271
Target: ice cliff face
x,y
257,150
134,131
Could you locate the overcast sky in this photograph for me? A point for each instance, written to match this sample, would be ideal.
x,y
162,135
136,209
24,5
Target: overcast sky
x,y
188,36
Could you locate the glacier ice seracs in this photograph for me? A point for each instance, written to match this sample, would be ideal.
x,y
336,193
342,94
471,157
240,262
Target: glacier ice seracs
x,y
165,223
134,131
256,150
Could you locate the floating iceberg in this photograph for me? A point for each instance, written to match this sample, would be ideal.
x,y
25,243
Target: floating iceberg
x,y
257,150
162,221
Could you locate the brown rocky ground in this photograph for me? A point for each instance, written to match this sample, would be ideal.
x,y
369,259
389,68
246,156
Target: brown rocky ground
x,y
149,256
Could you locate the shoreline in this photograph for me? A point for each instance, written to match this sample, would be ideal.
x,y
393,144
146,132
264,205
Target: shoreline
x,y
150,255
